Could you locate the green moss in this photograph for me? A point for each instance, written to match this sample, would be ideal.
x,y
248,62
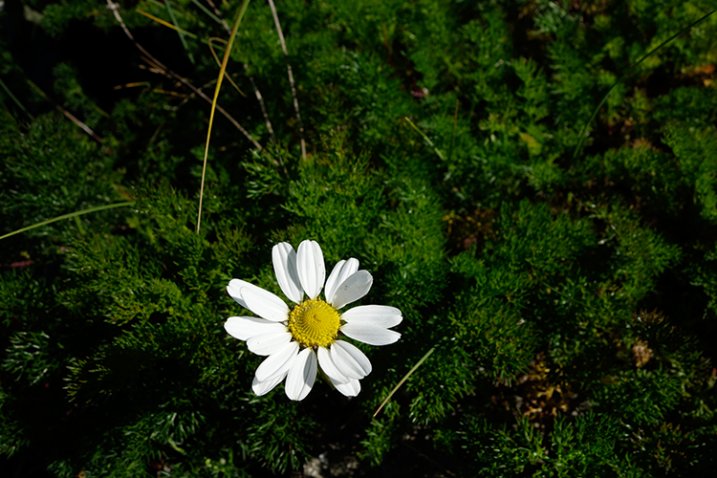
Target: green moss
x,y
566,295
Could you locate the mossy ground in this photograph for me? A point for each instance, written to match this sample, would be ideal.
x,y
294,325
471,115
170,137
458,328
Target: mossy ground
x,y
569,287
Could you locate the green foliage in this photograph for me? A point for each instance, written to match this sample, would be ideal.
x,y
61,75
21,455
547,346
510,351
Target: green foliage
x,y
52,157
567,297
585,446
696,153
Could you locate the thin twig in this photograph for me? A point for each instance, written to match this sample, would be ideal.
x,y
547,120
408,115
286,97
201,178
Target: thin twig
x,y
214,16
79,123
191,35
191,95
83,126
260,99
161,68
217,14
290,74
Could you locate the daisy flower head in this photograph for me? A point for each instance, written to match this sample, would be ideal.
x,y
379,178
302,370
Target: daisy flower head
x,y
309,334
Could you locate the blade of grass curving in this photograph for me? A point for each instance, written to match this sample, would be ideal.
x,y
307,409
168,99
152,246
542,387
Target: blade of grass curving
x,y
631,70
159,67
425,138
222,70
210,41
67,216
403,380
257,93
170,11
219,62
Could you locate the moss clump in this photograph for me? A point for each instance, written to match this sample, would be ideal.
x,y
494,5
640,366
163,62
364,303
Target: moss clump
x,y
565,286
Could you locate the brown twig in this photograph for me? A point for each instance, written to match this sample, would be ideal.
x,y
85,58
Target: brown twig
x,y
161,68
290,74
83,126
219,15
260,99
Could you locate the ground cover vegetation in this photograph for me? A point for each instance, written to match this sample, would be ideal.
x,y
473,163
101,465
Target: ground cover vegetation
x,y
560,270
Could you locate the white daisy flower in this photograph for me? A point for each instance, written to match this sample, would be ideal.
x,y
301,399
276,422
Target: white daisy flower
x,y
297,340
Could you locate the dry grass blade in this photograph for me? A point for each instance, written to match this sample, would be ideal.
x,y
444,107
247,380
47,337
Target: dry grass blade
x,y
165,23
257,93
290,74
402,381
222,70
159,67
210,42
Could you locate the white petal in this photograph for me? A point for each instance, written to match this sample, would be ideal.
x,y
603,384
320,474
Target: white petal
x,y
284,258
374,315
356,286
350,360
265,304
301,376
268,344
342,270
310,267
234,289
278,362
329,368
244,328
262,388
369,334
350,388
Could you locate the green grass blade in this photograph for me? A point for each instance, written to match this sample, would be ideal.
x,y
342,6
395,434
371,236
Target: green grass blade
x,y
425,137
208,13
71,215
583,136
402,381
180,32
14,98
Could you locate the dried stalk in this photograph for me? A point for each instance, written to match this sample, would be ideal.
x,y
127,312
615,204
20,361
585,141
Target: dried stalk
x,y
291,77
161,68
257,92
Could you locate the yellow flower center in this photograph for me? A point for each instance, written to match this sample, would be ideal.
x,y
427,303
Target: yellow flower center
x,y
314,323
